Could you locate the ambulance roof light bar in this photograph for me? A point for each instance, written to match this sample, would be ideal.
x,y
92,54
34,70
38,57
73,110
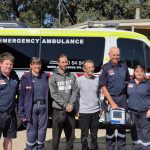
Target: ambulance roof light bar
x,y
109,25
12,24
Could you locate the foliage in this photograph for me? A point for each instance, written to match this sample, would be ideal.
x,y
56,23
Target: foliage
x,y
45,13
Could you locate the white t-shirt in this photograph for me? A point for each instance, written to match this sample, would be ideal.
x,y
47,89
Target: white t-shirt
x,y
88,95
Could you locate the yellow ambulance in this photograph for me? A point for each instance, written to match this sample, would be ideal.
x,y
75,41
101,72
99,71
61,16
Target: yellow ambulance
x,y
78,44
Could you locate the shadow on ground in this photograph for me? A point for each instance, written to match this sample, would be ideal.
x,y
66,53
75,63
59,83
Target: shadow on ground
x,y
77,143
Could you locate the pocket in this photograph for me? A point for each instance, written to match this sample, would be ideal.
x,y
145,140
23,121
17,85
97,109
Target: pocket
x,y
130,119
43,107
3,86
2,123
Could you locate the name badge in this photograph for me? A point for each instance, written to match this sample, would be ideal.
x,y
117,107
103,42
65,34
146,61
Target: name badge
x,y
130,85
28,87
33,81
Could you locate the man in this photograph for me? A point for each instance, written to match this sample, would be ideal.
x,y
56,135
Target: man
x,y
63,89
8,87
89,106
113,78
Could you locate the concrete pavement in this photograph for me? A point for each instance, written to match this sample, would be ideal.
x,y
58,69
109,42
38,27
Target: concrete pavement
x,y
19,143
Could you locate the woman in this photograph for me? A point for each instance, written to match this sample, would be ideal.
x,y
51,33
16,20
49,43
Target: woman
x,y
139,105
33,104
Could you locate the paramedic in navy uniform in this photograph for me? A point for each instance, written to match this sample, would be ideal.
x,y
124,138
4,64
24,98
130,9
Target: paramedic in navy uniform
x,y
8,86
139,105
113,81
33,104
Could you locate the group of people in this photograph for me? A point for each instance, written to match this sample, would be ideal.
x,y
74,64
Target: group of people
x,y
73,97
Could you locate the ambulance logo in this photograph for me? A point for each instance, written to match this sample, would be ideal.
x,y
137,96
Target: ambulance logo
x,y
111,72
2,82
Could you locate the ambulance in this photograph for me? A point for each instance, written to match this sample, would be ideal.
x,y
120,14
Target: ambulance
x,y
78,44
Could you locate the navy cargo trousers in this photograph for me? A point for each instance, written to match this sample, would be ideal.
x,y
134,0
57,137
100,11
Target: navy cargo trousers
x,y
140,133
120,139
36,128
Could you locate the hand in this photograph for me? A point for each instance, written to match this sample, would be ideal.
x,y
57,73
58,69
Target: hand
x,y
101,112
114,106
24,120
148,114
69,108
77,114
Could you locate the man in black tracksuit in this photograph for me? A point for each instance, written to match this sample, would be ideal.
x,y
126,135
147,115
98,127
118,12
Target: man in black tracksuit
x,y
63,89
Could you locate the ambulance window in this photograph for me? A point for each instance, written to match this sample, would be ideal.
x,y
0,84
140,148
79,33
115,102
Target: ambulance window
x,y
78,49
23,48
147,50
132,52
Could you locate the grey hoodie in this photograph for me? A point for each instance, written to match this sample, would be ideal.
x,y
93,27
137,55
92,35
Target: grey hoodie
x,y
63,89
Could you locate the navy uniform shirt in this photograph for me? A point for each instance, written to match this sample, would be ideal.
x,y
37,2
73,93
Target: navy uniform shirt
x,y
38,88
114,77
139,95
8,89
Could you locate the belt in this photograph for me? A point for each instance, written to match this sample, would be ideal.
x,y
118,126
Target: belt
x,y
140,111
117,95
39,101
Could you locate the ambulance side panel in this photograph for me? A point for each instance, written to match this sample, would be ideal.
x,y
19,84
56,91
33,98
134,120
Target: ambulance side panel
x,y
135,49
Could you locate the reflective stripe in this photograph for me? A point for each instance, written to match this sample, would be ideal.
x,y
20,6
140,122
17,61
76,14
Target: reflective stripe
x,y
40,142
31,144
121,135
135,142
110,136
144,143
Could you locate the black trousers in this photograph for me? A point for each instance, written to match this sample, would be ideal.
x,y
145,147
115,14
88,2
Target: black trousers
x,y
140,133
63,120
89,121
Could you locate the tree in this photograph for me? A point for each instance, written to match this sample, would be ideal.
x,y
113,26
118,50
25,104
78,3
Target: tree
x,y
108,9
31,12
105,9
45,13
